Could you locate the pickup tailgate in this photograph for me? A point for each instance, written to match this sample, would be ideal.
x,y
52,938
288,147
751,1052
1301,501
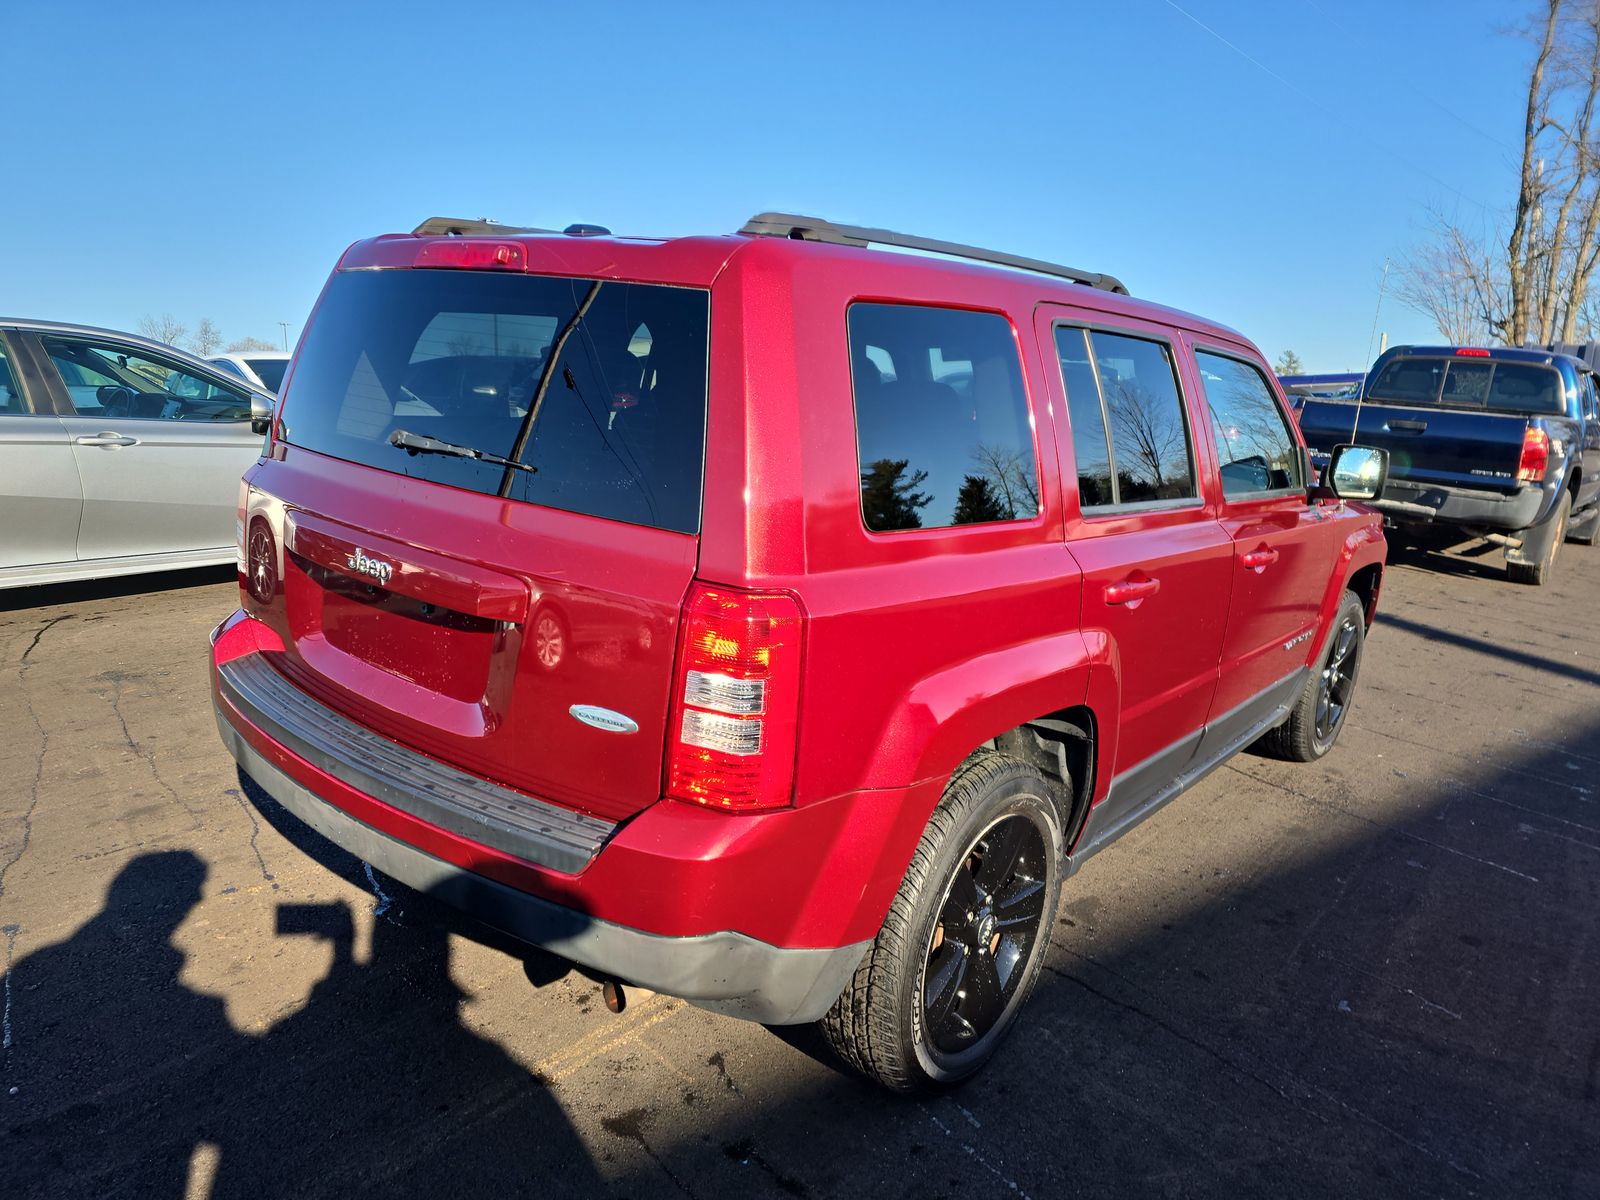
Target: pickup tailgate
x,y
1430,445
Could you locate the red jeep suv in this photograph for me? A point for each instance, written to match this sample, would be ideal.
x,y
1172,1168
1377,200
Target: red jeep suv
x,y
771,620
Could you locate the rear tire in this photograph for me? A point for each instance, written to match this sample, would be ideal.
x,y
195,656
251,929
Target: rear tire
x,y
1538,573
964,940
1324,702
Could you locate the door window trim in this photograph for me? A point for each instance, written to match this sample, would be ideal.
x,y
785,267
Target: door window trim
x,y
1106,511
1296,444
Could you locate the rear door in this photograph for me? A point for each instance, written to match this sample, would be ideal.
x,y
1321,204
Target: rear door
x,y
1283,548
41,499
160,447
518,623
1157,566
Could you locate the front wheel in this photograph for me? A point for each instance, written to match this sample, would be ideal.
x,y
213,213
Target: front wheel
x,y
966,935
1324,702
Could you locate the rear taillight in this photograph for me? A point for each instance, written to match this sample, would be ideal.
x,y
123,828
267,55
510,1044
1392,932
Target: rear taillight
x,y
738,699
1535,456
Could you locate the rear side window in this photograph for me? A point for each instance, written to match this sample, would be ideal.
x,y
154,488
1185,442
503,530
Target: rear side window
x,y
1470,383
1127,389
10,393
942,428
1254,446
614,426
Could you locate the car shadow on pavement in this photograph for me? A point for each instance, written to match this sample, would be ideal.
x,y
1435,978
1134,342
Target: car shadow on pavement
x,y
1538,662
1397,1006
1473,559
43,595
130,1083
1325,1003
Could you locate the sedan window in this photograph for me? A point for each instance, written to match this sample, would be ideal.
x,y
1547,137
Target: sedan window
x,y
105,379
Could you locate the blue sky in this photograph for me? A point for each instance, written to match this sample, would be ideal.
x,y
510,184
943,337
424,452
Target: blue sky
x,y
214,160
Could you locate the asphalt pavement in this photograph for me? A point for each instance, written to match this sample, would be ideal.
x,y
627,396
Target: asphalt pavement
x,y
1376,975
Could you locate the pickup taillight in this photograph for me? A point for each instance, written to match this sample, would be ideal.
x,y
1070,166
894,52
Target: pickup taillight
x,y
737,703
1535,456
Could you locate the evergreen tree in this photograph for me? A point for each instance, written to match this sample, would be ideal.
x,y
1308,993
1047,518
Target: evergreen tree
x,y
889,500
977,502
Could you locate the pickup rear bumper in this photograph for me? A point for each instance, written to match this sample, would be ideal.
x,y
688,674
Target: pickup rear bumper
x,y
1421,503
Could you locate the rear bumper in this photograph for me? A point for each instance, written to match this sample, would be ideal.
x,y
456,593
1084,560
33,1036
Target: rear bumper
x,y
726,972
1404,501
761,915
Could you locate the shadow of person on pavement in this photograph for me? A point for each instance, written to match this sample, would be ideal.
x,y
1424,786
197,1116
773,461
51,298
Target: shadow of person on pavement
x,y
130,1083
104,1043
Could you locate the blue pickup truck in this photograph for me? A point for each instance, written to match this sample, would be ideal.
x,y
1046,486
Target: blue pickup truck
x,y
1500,443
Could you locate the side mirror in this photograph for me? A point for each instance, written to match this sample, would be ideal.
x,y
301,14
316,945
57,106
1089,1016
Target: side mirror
x,y
1356,472
260,413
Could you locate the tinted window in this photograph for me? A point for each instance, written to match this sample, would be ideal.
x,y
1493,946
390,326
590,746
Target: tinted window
x,y
106,379
10,394
269,371
942,425
1408,380
1254,446
1088,418
227,365
1519,388
1149,439
1467,384
1470,383
459,356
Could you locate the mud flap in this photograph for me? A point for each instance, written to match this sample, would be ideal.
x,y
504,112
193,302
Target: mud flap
x,y
1535,544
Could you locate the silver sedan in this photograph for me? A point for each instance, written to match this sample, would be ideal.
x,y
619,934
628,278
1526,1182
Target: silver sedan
x,y
118,455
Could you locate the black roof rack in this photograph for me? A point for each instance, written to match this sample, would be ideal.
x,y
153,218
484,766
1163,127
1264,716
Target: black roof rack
x,y
814,229
462,226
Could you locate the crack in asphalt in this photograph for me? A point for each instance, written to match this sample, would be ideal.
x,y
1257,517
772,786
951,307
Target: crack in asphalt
x,y
255,833
38,766
147,756
23,663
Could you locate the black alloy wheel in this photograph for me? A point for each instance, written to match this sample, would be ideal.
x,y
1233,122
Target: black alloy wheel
x,y
987,926
1338,679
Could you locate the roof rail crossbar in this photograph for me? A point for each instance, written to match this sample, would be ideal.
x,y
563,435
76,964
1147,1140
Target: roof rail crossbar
x,y
464,226
815,229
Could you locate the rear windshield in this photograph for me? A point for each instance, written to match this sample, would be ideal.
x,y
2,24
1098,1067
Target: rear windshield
x,y
463,356
1470,383
269,371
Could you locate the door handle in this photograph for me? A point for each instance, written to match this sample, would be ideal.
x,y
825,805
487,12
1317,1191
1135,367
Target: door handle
x,y
109,440
1397,426
1131,591
1258,560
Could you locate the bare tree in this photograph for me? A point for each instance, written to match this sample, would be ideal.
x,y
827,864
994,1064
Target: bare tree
x,y
1525,227
165,328
1453,280
1011,473
207,337
246,344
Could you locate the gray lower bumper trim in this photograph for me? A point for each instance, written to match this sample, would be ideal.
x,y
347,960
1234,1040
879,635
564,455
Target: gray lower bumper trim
x,y
534,830
726,972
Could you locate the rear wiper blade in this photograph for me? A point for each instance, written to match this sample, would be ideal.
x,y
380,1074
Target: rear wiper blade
x,y
415,443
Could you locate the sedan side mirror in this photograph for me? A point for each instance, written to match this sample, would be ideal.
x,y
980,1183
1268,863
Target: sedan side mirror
x,y
260,413
1356,472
